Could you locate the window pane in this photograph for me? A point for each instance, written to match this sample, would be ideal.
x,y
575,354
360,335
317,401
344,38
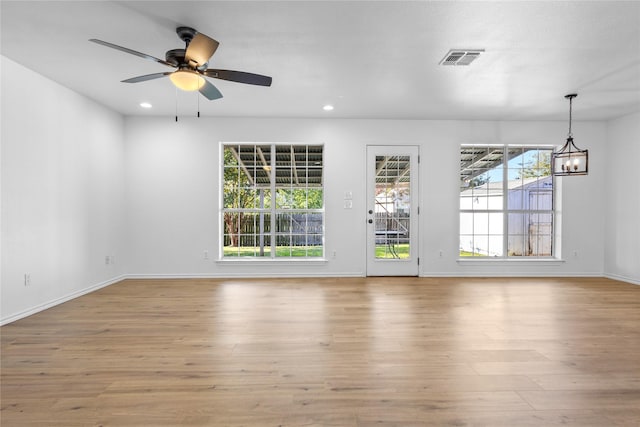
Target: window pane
x,y
466,199
516,245
466,223
480,223
481,245
230,156
518,223
299,198
540,234
314,198
516,196
481,193
466,245
284,198
283,246
495,246
496,223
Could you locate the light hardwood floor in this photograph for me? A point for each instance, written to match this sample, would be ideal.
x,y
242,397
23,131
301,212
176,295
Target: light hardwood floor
x,y
330,352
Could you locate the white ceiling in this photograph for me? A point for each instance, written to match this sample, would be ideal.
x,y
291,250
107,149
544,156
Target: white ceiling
x,y
370,59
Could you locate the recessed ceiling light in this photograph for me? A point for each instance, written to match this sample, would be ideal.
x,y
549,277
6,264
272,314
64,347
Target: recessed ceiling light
x,y
327,107
145,105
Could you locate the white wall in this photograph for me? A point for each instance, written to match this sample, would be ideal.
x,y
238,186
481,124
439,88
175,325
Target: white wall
x,y
62,193
173,189
622,241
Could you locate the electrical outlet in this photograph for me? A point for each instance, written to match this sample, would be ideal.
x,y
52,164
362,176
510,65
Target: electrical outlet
x,y
333,255
107,260
440,252
27,279
205,255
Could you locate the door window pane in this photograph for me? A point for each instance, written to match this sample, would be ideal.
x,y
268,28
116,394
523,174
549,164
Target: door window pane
x,y
392,207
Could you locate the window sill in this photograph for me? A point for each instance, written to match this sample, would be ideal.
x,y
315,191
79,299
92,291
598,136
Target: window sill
x,y
279,261
505,261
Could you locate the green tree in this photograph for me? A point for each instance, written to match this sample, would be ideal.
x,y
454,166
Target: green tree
x,y
299,198
238,193
537,167
478,181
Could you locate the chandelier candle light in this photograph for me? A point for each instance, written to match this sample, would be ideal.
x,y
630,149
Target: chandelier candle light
x,y
570,160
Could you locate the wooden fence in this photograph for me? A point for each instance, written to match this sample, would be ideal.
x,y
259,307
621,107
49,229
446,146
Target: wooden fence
x,y
297,229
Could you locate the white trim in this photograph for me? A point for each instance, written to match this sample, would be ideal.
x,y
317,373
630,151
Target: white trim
x,y
622,278
41,307
507,274
270,261
511,262
274,275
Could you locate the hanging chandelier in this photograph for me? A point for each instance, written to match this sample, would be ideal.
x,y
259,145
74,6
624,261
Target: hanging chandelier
x,y
569,159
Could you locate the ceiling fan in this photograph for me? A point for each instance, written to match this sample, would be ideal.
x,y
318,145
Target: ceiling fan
x,y
192,65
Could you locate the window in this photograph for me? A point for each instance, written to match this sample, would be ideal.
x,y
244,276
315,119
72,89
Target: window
x,y
506,201
273,201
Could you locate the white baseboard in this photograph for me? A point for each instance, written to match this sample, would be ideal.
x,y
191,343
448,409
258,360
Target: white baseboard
x,y
622,278
476,273
242,275
57,301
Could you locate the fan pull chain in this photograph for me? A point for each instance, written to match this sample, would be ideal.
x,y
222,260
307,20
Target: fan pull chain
x,y
176,104
198,97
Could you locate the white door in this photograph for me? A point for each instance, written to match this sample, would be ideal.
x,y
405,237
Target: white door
x,y
392,210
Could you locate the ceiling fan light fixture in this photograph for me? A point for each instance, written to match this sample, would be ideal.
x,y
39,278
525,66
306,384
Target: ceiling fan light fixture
x,y
187,80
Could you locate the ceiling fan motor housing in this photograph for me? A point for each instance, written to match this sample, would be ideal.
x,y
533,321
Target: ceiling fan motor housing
x,y
186,34
175,56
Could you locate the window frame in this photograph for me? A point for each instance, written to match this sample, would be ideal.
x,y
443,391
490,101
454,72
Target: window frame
x,y
274,209
506,212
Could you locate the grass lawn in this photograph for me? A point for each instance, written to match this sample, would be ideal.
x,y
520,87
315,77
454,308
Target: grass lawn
x,y
465,253
281,251
384,251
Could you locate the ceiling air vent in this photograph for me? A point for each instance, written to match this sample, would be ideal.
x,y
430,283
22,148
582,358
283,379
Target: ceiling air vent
x,y
461,56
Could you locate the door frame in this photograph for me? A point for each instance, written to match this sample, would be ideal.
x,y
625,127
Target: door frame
x,y
393,266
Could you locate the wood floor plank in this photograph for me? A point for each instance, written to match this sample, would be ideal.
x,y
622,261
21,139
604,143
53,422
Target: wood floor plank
x,y
590,381
329,352
484,418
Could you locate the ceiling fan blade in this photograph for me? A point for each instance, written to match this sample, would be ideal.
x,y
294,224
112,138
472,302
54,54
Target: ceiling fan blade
x,y
240,77
132,52
200,49
210,91
146,77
